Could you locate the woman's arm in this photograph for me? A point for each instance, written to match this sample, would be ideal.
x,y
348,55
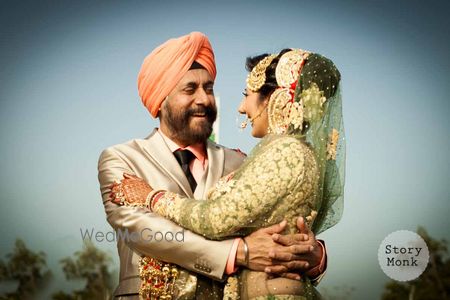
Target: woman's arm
x,y
255,191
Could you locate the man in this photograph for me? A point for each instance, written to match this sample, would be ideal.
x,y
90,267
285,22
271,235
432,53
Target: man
x,y
176,85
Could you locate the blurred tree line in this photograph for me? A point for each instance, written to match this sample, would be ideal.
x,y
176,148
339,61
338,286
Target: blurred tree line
x,y
28,271
433,284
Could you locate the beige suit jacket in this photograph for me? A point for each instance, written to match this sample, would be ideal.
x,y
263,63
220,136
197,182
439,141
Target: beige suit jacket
x,y
151,159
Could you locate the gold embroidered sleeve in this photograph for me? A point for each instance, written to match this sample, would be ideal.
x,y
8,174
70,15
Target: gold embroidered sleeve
x,y
245,201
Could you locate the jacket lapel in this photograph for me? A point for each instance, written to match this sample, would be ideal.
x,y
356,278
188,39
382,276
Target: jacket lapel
x,y
161,155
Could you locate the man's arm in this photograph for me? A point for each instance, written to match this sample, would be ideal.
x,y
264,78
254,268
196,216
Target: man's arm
x,y
194,247
193,252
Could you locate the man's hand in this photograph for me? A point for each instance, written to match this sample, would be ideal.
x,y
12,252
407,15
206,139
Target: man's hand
x,y
281,255
303,252
260,243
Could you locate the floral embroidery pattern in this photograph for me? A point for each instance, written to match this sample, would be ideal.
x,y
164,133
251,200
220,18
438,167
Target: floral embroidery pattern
x,y
280,182
230,291
313,100
332,144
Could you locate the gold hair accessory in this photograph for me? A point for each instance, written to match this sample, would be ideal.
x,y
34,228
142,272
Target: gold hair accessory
x,y
257,77
283,110
278,101
289,67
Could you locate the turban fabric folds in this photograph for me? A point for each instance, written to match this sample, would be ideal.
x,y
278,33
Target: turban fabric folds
x,y
163,68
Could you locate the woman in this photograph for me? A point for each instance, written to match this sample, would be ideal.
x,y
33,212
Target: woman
x,y
293,102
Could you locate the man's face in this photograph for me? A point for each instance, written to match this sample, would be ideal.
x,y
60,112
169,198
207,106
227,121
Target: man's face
x,y
187,115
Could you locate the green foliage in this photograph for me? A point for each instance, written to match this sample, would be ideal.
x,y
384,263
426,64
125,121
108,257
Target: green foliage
x,y
336,292
90,264
433,284
29,270
3,271
212,137
26,267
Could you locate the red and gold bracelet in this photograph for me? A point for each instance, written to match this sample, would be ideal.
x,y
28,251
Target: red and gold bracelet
x,y
153,197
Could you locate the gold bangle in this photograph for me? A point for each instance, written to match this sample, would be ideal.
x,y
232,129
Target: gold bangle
x,y
149,198
246,253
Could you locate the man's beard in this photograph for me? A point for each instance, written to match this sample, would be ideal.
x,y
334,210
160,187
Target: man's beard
x,y
179,124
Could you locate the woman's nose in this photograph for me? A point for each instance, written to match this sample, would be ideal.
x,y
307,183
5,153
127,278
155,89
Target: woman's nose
x,y
241,108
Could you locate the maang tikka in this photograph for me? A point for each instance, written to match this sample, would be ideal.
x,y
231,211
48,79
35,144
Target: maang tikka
x,y
255,80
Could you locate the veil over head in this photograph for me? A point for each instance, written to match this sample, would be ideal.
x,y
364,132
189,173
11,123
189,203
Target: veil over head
x,y
307,104
325,134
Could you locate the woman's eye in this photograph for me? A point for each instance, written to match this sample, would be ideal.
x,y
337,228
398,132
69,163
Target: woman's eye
x,y
245,94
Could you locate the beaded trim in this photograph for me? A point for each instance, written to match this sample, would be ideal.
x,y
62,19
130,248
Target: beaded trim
x,y
157,279
332,144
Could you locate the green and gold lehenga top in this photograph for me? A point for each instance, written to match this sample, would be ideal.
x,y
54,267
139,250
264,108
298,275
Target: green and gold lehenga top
x,y
292,172
279,181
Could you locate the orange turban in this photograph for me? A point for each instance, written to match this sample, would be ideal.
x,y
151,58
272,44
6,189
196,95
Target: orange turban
x,y
166,65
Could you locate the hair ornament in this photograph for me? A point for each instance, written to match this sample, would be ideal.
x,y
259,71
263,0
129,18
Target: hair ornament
x,y
257,77
283,111
289,67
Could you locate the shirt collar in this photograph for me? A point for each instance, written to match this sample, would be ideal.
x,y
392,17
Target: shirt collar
x,y
197,149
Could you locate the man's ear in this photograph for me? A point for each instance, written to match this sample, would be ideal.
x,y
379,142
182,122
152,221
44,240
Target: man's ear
x,y
158,115
163,102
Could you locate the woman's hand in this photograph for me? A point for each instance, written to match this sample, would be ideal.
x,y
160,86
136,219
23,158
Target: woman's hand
x,y
131,190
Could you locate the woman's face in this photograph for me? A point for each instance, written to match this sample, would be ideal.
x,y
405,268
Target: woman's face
x,y
256,110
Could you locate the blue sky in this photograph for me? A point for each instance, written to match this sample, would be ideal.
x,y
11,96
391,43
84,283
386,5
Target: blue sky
x,y
68,90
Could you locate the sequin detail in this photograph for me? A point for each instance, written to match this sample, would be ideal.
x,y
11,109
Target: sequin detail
x,y
332,144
